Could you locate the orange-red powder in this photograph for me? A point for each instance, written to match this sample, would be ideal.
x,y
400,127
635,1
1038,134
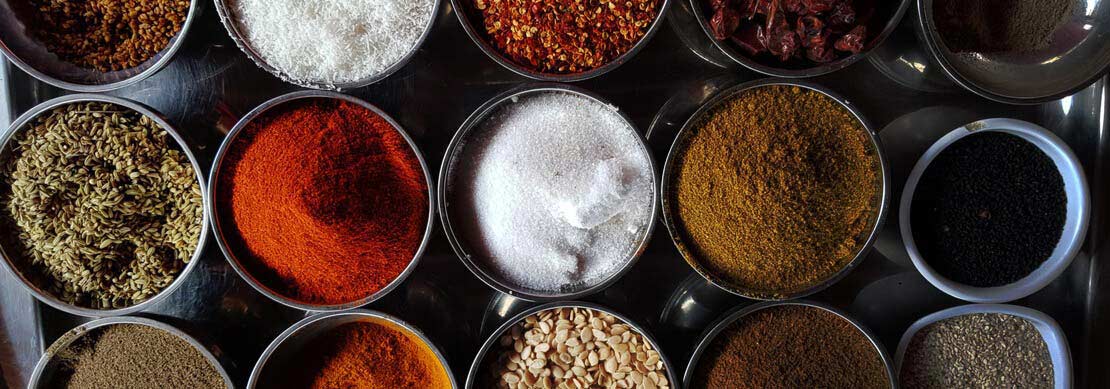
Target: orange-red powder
x,y
369,355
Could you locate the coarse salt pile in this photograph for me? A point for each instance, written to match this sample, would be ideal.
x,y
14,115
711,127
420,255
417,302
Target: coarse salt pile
x,y
559,189
332,41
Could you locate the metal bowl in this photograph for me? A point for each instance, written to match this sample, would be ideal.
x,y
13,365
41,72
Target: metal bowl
x,y
740,313
477,368
30,55
46,367
446,178
14,266
477,34
284,351
230,249
228,19
1050,74
670,219
892,11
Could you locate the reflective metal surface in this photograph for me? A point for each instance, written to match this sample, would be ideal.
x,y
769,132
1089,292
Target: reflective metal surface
x,y
211,84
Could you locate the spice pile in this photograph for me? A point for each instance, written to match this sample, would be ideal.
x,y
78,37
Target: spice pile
x,y
332,41
791,346
989,210
775,190
100,204
368,355
978,351
133,356
574,348
105,35
565,36
816,30
558,188
325,201
992,26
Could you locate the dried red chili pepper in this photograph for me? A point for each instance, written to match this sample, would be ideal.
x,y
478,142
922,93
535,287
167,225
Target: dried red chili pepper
x,y
747,38
814,30
724,22
779,39
852,41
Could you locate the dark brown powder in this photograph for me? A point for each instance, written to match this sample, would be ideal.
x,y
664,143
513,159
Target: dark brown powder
x,y
991,26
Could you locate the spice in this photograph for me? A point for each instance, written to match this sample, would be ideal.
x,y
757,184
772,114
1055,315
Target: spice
x,y
327,203
984,350
992,26
791,346
775,190
105,35
101,207
557,190
802,31
332,41
572,347
564,36
989,210
371,355
132,356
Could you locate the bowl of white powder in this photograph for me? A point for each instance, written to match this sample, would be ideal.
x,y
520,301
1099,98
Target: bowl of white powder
x,y
547,192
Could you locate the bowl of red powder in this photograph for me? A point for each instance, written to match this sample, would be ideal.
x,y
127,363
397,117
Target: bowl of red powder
x,y
321,201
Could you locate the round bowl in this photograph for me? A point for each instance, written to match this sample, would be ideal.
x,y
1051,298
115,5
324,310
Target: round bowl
x,y
1053,335
477,368
30,55
477,35
285,349
45,368
1060,70
446,178
710,335
1075,227
670,219
12,265
222,234
893,10
228,19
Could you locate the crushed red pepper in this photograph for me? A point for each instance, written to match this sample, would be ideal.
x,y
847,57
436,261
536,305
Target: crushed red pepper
x,y
565,36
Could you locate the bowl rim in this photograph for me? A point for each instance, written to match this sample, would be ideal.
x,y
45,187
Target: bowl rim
x,y
168,54
1050,331
9,264
461,11
221,234
446,177
1052,266
364,315
228,19
736,314
476,367
726,94
821,69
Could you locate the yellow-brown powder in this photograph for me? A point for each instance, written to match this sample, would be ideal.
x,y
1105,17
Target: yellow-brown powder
x,y
775,190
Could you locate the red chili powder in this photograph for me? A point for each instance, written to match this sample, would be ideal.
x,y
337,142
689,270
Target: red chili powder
x,y
323,200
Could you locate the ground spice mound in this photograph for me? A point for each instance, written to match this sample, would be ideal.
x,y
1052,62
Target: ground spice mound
x,y
327,201
791,346
368,355
105,35
990,26
775,190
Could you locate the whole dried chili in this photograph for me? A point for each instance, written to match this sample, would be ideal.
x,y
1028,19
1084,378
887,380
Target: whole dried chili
x,y
565,36
326,201
817,30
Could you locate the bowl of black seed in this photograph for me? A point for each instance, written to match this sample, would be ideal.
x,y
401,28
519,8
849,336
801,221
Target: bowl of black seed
x,y
995,210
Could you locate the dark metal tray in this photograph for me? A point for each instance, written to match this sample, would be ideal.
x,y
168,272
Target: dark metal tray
x,y
211,83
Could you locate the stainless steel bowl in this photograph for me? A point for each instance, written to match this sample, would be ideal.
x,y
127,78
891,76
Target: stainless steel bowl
x,y
14,266
229,249
285,349
477,368
670,219
891,10
46,367
740,313
462,247
30,55
477,34
227,17
1058,71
